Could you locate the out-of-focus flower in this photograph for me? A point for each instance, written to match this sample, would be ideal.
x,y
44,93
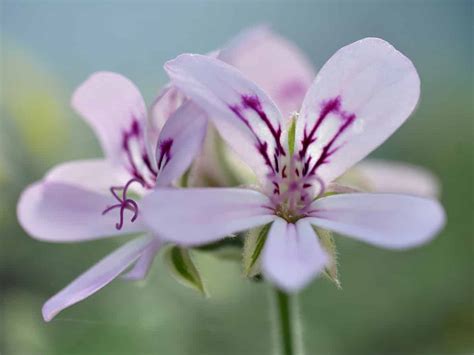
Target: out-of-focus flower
x,y
359,98
391,176
91,199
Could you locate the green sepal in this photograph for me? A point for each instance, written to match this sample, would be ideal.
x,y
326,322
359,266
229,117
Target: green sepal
x,y
326,239
253,247
183,269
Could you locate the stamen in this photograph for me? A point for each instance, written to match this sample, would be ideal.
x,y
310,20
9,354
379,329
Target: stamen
x,y
124,202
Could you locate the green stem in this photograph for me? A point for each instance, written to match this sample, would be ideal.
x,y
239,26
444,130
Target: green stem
x,y
286,323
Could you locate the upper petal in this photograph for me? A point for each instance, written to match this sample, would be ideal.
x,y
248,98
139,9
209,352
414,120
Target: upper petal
x,y
96,277
93,174
273,63
179,142
385,220
58,212
114,108
199,216
244,115
359,98
392,176
292,255
168,101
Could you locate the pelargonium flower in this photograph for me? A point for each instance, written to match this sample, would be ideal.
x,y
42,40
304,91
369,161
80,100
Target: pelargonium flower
x,y
92,199
362,94
283,71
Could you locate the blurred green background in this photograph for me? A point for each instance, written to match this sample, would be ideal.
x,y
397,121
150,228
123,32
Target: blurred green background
x,y
414,302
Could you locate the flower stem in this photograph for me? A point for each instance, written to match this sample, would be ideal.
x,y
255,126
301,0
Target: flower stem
x,y
286,323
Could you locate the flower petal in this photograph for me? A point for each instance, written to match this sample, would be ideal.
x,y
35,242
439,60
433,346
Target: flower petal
x,y
57,212
396,177
359,98
96,277
292,255
385,220
114,108
168,101
143,264
179,142
244,115
94,174
273,63
199,216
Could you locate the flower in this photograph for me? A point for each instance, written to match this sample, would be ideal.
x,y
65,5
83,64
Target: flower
x,y
282,70
91,199
359,98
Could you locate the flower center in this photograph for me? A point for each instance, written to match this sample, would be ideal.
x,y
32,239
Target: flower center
x,y
292,192
124,202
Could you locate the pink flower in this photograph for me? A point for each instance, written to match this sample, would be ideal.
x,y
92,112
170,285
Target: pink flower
x,y
91,199
359,98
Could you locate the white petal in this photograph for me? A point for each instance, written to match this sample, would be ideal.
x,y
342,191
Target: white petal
x,y
96,277
397,177
385,220
244,115
57,212
114,108
200,216
359,98
179,142
273,63
292,255
95,174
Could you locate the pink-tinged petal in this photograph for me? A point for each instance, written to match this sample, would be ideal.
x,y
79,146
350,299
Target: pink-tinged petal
x,y
94,174
244,115
96,277
200,216
57,212
273,63
114,108
142,266
292,255
179,142
397,177
168,101
359,98
385,220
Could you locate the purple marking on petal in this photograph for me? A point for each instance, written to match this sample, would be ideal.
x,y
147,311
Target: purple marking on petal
x,y
329,106
165,152
253,102
327,151
135,132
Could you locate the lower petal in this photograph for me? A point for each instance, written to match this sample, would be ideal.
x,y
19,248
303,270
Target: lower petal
x,y
57,212
385,220
96,277
143,264
292,255
200,216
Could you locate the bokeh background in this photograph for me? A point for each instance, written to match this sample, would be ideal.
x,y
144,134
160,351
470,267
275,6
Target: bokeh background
x,y
414,302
